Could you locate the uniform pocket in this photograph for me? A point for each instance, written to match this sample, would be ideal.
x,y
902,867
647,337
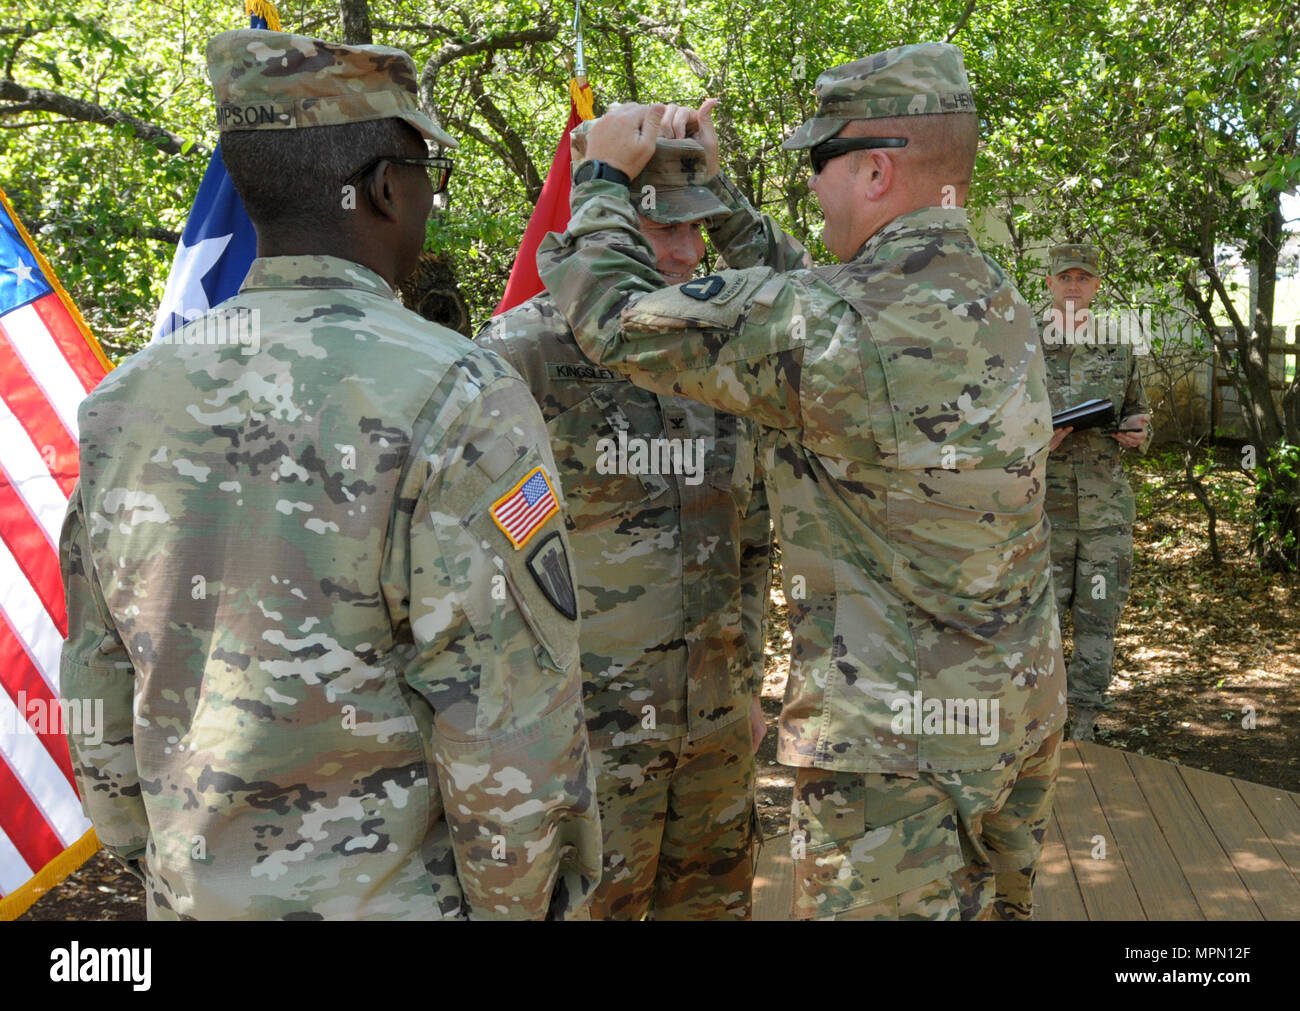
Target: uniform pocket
x,y
844,864
592,464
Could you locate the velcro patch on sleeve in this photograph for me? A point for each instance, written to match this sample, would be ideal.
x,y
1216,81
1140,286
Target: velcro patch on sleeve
x,y
728,293
526,507
704,288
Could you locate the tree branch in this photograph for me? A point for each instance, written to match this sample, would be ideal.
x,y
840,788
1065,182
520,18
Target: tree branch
x,y
453,51
629,66
88,112
442,31
160,234
34,122
356,22
154,232
470,130
517,154
675,36
961,21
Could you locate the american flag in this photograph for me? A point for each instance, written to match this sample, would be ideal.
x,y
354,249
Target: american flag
x,y
48,362
529,504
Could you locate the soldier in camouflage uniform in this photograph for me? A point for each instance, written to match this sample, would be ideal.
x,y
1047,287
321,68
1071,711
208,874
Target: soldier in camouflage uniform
x,y
318,576
673,573
1089,501
904,425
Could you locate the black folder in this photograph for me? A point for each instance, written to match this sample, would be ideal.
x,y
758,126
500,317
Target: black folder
x,y
1097,413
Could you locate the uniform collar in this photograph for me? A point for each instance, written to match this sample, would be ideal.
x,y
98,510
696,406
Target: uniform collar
x,y
269,272
929,221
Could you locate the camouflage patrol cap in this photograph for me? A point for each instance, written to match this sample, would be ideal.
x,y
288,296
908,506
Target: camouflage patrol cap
x,y
268,80
1071,255
671,188
924,79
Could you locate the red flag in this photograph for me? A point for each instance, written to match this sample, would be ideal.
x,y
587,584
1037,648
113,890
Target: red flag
x,y
48,362
552,211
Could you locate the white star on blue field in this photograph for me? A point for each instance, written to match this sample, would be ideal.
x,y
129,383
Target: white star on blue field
x,y
21,280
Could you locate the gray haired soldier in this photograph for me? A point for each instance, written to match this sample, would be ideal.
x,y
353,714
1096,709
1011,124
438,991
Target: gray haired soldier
x,y
1089,501
904,421
671,533
321,587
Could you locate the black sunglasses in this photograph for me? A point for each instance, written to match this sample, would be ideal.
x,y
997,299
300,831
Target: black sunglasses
x,y
836,146
439,168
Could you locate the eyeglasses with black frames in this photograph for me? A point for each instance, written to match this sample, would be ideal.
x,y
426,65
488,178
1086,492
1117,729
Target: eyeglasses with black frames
x,y
438,167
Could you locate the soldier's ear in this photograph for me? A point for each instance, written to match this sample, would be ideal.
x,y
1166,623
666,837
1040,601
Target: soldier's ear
x,y
877,173
381,190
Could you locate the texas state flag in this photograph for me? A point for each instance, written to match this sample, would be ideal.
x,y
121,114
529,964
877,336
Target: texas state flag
x,y
214,254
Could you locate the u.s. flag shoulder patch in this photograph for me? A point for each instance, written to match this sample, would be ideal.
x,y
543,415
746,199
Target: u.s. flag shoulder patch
x,y
526,507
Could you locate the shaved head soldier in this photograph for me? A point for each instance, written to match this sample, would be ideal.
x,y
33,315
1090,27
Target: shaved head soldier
x,y
904,423
299,578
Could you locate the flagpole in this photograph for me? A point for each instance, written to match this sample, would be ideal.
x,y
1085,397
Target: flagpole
x,y
579,90
579,56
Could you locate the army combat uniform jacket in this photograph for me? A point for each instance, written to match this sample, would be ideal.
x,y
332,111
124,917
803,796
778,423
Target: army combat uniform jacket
x,y
670,533
1086,485
904,424
673,567
333,685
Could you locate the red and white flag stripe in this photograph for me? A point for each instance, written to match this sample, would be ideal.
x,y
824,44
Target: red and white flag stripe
x,y
48,362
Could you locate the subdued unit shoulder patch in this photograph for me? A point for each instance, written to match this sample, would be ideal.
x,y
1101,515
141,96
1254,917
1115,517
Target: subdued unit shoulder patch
x,y
704,288
526,507
716,288
722,309
549,567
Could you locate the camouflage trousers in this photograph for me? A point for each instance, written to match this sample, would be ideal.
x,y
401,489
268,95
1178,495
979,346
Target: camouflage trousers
x,y
1090,572
677,819
938,846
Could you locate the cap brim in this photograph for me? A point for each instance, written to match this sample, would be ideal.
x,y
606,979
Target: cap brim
x,y
429,129
684,203
1064,265
813,132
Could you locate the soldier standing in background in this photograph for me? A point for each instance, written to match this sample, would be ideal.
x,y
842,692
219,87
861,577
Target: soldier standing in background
x,y
1089,502
673,572
904,423
302,569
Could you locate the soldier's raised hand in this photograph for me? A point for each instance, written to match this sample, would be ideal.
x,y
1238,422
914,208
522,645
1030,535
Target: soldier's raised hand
x,y
681,121
625,136
707,135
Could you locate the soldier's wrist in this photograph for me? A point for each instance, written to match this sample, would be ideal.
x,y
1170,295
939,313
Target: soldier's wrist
x,y
594,168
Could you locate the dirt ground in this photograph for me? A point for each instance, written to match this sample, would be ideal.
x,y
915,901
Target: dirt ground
x,y
1207,673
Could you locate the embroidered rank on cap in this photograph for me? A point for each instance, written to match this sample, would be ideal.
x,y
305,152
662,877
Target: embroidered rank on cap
x,y
703,288
526,507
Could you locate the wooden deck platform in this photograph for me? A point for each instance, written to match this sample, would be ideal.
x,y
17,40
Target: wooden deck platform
x,y
1136,838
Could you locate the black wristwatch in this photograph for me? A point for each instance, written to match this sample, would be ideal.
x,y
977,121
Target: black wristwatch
x,y
600,170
